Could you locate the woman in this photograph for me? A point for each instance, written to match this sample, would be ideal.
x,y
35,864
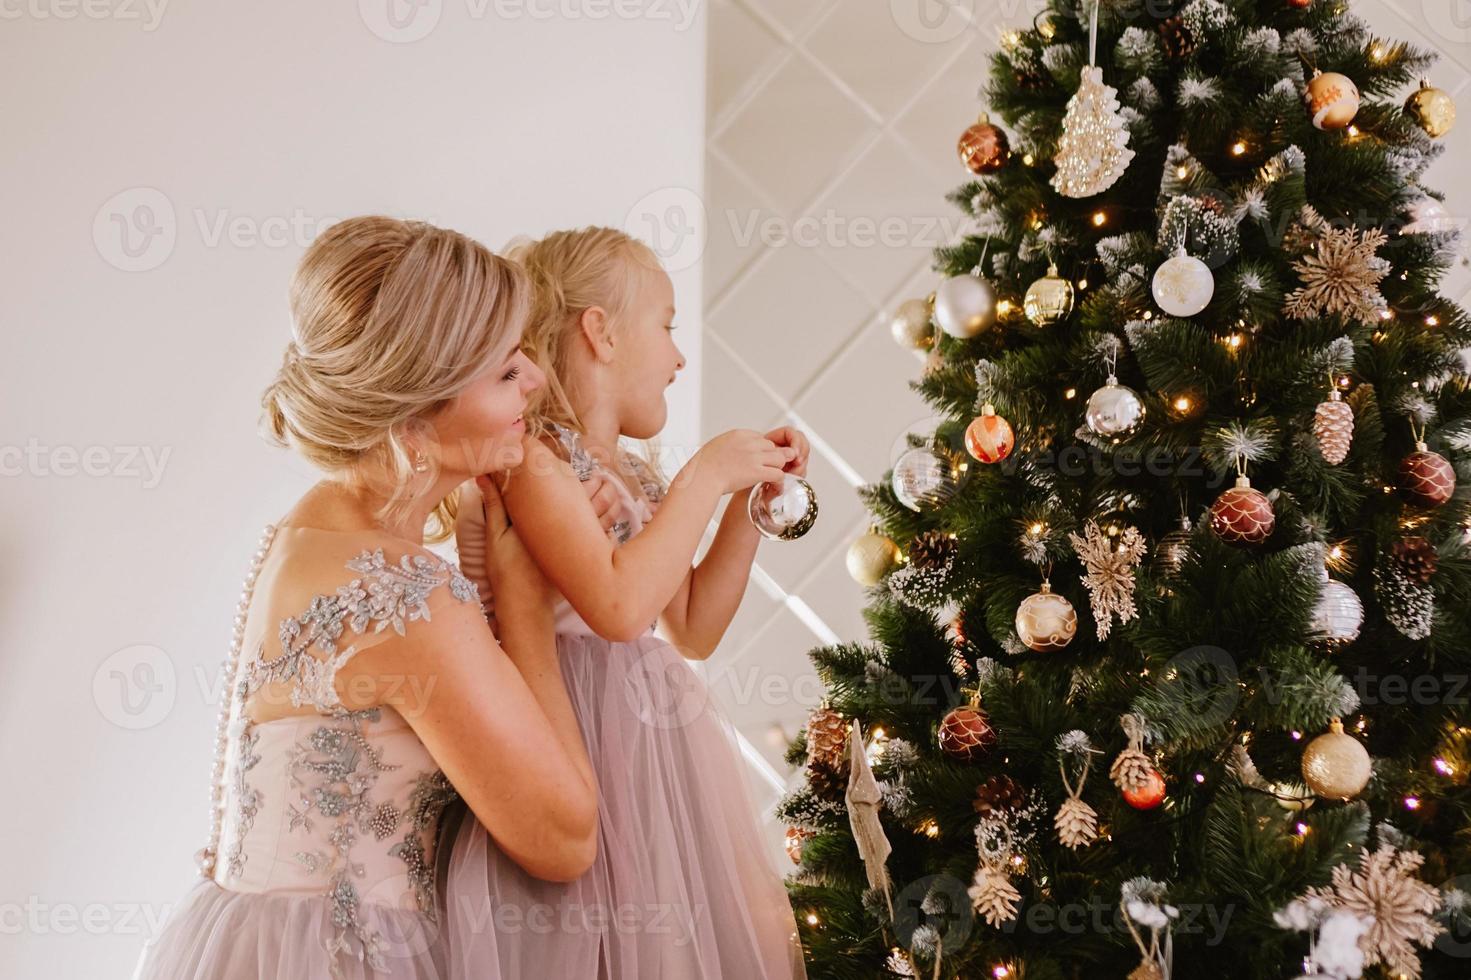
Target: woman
x,y
367,688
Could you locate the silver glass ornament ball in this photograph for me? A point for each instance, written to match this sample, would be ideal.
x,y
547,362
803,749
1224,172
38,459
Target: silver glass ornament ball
x,y
1339,614
924,478
783,511
1114,410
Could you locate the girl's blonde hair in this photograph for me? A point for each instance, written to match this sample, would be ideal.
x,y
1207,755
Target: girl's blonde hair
x,y
571,272
393,319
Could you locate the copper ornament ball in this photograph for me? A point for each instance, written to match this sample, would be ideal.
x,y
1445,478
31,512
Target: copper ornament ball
x,y
1242,515
966,735
1426,478
983,147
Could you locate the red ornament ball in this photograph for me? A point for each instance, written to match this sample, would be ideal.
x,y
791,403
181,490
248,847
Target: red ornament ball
x,y
1148,796
983,148
1242,515
966,735
1427,478
989,437
1299,4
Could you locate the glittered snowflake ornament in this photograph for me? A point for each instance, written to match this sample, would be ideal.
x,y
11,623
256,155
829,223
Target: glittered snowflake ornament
x,y
1110,568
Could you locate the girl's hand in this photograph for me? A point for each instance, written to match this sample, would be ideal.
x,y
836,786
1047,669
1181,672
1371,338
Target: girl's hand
x,y
743,458
792,439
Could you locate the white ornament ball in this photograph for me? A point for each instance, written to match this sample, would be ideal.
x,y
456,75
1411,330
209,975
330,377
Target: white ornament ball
x,y
1428,217
923,478
1114,410
1338,615
1183,285
965,305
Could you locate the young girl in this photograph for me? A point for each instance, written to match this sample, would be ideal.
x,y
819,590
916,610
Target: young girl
x,y
681,888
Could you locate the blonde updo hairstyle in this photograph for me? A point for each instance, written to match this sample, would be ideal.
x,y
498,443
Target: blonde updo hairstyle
x,y
571,272
392,320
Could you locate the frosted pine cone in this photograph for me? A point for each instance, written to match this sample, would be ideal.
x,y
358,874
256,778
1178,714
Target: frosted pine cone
x,y
1333,427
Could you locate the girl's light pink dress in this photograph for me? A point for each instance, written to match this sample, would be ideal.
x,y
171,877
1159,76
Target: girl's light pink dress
x,y
682,888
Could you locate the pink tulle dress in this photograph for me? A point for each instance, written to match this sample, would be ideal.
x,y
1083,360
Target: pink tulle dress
x,y
321,856
682,888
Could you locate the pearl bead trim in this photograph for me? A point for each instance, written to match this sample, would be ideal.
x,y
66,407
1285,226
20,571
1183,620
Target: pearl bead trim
x,y
231,670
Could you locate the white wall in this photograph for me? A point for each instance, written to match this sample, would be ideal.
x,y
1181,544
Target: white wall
x,y
267,118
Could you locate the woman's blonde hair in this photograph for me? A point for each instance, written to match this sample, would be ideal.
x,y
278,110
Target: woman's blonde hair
x,y
571,272
393,319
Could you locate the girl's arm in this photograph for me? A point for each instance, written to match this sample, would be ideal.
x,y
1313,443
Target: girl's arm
x,y
619,591
702,610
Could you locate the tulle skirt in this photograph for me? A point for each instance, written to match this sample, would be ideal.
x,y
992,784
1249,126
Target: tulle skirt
x,y
216,934
681,889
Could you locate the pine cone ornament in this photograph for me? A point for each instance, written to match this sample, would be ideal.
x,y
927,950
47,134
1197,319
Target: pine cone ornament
x,y
1333,427
998,794
1147,970
1077,823
994,897
1407,604
1176,38
1415,559
1132,772
827,739
932,549
827,782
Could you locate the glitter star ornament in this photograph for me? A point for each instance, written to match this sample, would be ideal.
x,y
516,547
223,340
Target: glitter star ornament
x,y
1341,273
1400,907
1110,573
1093,152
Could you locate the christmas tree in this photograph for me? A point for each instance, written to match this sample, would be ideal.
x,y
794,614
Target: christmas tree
x,y
1168,620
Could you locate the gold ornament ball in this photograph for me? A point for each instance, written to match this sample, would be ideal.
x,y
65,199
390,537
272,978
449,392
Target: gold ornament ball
x,y
1432,109
1046,621
1333,100
1336,765
1049,299
911,325
871,557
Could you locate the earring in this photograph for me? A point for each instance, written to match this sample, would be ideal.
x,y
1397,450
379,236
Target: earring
x,y
421,463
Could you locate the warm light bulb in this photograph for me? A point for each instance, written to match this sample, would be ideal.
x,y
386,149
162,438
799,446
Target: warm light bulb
x,y
1099,218
1412,803
1302,829
1072,393
1183,404
1035,529
1432,320
1353,131
1028,159
1386,314
1444,768
1238,148
1182,171
811,918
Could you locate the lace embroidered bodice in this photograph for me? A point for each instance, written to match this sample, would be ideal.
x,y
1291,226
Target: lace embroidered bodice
x,y
320,799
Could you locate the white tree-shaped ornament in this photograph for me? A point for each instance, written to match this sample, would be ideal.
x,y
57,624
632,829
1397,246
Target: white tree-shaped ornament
x,y
1093,152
